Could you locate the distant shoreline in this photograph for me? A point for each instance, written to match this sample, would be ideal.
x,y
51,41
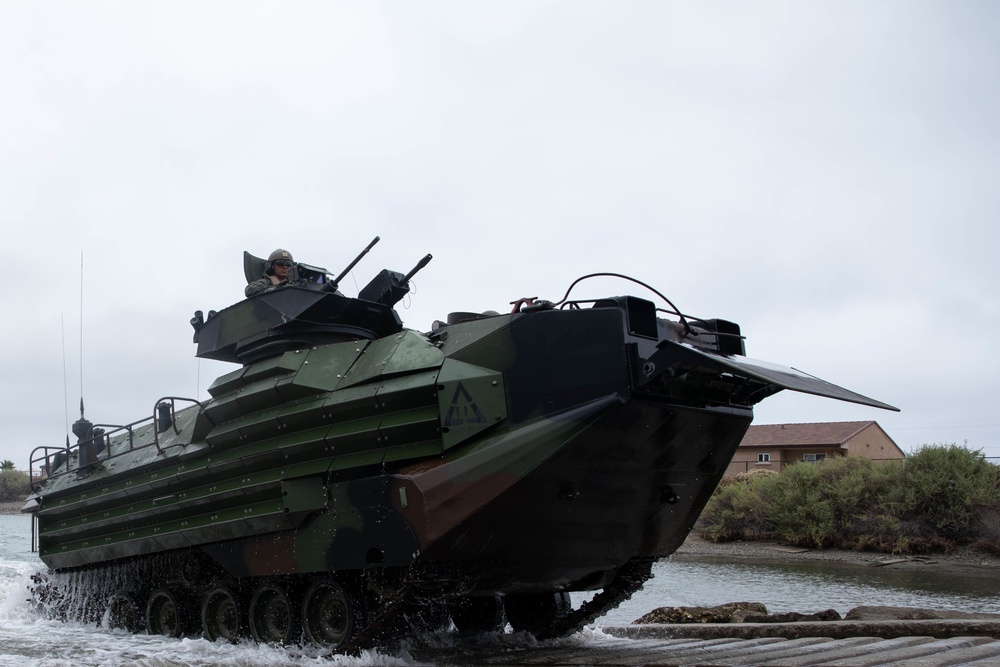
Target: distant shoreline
x,y
11,508
695,548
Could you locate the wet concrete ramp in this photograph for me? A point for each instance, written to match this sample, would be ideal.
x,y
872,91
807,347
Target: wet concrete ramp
x,y
975,651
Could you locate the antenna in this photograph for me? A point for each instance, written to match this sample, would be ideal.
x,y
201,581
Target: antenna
x,y
62,322
81,427
81,334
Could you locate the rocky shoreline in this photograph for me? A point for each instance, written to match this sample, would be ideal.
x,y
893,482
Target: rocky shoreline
x,y
755,612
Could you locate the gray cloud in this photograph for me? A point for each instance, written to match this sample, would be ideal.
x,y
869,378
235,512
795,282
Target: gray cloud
x,y
821,173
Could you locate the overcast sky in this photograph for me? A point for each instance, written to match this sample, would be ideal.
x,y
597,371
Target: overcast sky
x,y
824,174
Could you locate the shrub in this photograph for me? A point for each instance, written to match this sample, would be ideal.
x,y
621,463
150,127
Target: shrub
x,y
939,497
860,492
947,486
736,512
799,507
750,475
13,485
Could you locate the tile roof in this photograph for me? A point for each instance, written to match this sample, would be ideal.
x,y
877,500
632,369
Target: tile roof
x,y
822,433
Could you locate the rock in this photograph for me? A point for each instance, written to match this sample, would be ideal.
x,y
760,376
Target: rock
x,y
723,613
739,616
755,612
793,617
877,613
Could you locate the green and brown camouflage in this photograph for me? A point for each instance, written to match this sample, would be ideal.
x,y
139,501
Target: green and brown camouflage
x,y
525,454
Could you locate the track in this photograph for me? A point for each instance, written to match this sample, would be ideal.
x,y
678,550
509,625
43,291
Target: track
x,y
181,599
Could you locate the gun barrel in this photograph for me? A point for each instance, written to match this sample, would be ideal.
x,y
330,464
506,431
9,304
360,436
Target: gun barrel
x,y
357,259
421,264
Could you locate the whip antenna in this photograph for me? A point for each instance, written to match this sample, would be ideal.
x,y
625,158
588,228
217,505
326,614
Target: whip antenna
x,y
81,334
81,427
62,322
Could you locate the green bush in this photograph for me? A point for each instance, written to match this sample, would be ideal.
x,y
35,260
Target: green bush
x,y
735,513
13,485
947,487
939,497
800,511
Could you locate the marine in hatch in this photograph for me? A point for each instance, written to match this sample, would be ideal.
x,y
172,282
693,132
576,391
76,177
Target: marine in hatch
x,y
276,273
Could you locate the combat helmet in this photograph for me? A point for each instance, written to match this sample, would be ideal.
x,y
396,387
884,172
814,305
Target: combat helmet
x,y
279,254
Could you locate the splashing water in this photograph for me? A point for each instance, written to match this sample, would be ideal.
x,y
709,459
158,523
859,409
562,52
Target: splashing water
x,y
28,637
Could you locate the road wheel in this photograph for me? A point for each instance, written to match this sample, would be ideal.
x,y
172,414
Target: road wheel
x,y
164,614
123,613
538,613
220,615
273,618
329,615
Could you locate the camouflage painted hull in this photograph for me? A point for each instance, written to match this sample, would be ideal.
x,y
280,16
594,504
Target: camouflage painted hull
x,y
631,484
530,453
289,448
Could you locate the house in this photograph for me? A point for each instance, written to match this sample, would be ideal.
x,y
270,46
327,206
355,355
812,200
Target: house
x,y
773,446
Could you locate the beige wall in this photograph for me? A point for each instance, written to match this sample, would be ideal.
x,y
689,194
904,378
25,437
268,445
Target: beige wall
x,y
746,459
873,443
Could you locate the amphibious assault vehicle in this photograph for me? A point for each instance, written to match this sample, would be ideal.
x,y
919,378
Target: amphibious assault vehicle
x,y
351,476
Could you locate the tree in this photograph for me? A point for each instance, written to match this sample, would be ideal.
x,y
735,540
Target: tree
x,y
7,465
